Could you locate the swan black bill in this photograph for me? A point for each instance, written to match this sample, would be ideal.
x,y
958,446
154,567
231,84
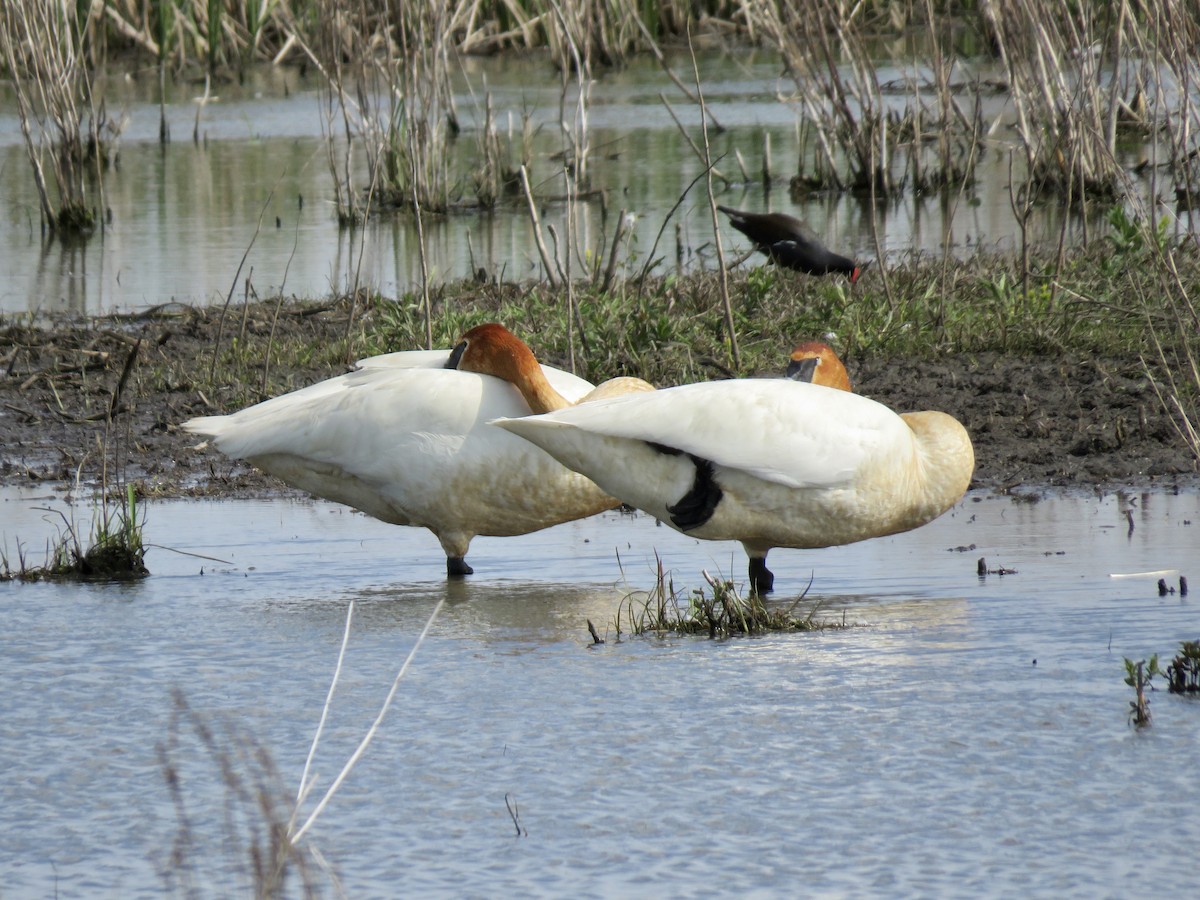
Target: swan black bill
x,y
456,355
803,369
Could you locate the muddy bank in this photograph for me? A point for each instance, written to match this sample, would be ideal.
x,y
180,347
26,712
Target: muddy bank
x,y
1036,423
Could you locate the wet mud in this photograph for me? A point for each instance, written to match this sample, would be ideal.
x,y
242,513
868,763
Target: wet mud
x,y
73,405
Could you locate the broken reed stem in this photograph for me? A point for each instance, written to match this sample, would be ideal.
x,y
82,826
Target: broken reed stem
x,y
650,258
212,369
723,273
279,303
537,228
295,835
426,305
567,280
611,269
305,785
362,252
126,371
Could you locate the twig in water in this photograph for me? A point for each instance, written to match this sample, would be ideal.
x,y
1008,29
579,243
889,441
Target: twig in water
x,y
279,305
515,814
610,271
650,260
312,750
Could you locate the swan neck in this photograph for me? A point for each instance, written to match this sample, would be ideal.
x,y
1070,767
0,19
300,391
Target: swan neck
x,y
947,456
537,391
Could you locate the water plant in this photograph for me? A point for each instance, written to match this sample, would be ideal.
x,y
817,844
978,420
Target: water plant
x,y
113,549
720,610
254,853
1183,672
1138,676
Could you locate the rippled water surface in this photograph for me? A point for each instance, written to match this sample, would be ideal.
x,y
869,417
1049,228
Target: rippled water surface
x,y
966,736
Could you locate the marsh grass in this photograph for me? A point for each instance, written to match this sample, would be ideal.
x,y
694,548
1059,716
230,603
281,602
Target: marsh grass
x,y
719,611
1183,672
66,130
111,551
1106,298
254,855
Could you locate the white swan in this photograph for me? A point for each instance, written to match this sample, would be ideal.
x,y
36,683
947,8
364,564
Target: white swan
x,y
406,439
770,463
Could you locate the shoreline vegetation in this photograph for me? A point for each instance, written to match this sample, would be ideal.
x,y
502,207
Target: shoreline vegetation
x,y
1086,85
1090,381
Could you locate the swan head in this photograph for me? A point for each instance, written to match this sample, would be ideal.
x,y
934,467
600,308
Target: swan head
x,y
491,349
816,362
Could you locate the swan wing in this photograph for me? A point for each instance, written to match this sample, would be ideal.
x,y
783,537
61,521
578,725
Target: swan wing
x,y
794,434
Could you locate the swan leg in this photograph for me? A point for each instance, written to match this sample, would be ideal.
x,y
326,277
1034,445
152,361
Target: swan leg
x,y
456,567
762,579
455,544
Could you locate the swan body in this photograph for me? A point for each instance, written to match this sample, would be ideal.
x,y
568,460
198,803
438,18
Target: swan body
x,y
406,440
770,463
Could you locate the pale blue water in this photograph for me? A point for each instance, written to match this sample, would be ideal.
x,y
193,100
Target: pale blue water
x,y
919,752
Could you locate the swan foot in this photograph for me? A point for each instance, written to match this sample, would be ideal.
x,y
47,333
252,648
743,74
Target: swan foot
x,y
456,567
762,579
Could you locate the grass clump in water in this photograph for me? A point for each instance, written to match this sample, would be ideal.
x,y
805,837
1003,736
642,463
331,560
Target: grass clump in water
x,y
720,610
1183,673
114,552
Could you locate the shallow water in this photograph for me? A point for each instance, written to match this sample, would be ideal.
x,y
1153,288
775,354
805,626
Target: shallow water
x,y
921,751
187,216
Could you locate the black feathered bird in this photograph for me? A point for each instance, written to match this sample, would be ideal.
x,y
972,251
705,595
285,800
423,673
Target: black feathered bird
x,y
787,242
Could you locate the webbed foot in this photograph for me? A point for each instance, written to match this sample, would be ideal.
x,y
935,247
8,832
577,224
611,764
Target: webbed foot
x,y
456,567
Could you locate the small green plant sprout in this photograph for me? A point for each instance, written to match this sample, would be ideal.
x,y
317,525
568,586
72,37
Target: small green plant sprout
x,y
1183,674
1138,676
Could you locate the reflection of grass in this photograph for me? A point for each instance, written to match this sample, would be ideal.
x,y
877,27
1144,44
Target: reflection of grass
x,y
114,549
718,611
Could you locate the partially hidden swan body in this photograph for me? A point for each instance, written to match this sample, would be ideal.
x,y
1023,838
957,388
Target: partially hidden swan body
x,y
768,462
405,438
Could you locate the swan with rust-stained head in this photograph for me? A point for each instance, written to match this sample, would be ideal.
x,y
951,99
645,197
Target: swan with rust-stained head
x,y
406,439
817,363
788,243
768,462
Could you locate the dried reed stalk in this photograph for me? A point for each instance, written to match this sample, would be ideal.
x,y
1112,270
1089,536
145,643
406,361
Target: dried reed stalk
x,y
41,42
